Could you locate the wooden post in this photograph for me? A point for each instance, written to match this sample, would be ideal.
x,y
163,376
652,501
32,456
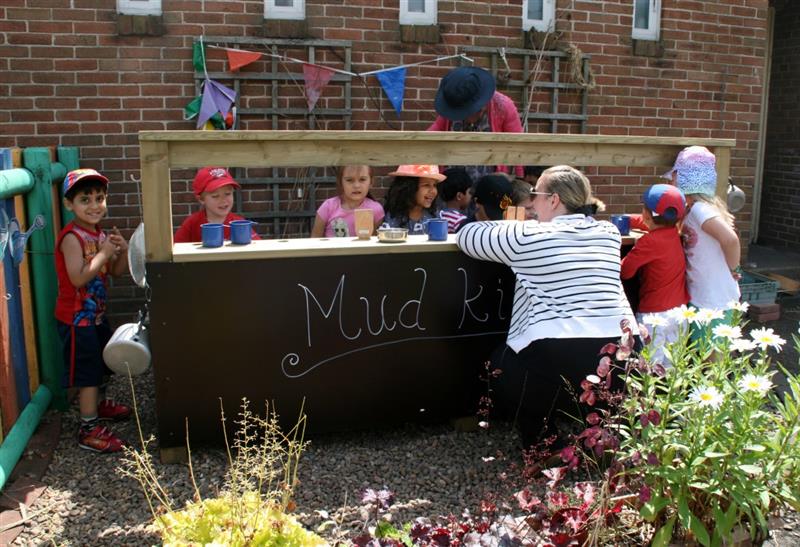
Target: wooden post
x,y
723,155
68,157
157,200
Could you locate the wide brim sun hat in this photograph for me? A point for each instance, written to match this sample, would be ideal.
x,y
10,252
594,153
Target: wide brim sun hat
x,y
696,169
463,91
421,171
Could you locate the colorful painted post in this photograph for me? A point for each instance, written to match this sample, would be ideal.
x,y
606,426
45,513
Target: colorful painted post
x,y
69,157
43,272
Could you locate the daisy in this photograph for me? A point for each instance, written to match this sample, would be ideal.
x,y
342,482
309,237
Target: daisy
x,y
707,396
727,331
706,316
766,338
655,320
738,306
683,314
759,384
742,345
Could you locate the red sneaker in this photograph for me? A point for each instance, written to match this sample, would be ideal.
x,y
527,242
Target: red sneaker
x,y
109,410
100,439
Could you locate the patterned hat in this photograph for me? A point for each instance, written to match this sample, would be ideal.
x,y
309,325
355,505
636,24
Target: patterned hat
x,y
421,171
665,200
77,175
696,168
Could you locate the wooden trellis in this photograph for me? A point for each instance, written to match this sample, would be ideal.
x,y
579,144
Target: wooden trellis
x,y
284,212
501,59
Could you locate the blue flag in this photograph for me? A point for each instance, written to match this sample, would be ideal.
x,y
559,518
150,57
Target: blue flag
x,y
394,85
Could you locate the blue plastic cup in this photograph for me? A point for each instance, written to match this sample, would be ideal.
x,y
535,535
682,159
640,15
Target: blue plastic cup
x,y
212,234
623,223
437,229
241,231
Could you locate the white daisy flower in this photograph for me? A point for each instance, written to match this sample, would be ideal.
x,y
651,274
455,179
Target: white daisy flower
x,y
706,396
759,384
727,331
655,320
766,338
683,314
743,345
705,316
593,378
738,306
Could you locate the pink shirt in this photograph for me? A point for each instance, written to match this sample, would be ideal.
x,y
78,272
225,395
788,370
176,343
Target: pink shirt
x,y
341,222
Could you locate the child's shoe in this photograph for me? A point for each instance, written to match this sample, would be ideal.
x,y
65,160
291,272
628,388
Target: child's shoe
x,y
109,410
99,439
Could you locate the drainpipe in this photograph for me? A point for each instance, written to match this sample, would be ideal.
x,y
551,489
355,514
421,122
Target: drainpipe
x,y
16,441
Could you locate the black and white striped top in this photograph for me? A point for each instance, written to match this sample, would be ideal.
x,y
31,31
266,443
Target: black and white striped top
x,y
568,283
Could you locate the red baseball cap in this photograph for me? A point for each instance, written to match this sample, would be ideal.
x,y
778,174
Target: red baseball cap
x,y
77,175
665,200
209,179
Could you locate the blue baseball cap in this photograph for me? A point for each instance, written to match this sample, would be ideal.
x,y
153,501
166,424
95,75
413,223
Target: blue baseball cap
x,y
665,200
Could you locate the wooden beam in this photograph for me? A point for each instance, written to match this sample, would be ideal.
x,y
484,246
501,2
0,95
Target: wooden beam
x,y
723,156
157,200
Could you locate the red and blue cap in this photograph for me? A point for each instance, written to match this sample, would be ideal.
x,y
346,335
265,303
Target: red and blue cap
x,y
209,179
77,175
665,201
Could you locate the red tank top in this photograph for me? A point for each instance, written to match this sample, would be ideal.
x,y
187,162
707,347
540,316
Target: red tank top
x,y
81,306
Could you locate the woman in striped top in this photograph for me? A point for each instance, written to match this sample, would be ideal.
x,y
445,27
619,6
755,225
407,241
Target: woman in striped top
x,y
568,298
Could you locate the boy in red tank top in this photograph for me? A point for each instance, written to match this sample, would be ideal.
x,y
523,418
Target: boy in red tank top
x,y
85,256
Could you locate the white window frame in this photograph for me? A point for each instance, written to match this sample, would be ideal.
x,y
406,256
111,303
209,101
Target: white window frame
x,y
653,32
428,17
297,12
548,20
139,7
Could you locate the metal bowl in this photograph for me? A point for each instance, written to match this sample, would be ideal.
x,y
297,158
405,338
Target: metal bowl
x,y
392,235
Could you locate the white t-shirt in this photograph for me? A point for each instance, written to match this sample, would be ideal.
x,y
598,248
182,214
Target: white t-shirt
x,y
708,277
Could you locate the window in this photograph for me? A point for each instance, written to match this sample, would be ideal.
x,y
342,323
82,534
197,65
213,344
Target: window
x,y
646,19
285,9
139,7
539,15
418,12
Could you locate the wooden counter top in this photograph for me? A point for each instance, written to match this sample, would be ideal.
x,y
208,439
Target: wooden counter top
x,y
306,247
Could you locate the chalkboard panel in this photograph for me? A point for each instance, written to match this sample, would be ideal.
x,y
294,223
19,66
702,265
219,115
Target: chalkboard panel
x,y
366,340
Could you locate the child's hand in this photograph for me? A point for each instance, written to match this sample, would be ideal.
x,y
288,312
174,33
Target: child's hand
x,y
119,241
109,249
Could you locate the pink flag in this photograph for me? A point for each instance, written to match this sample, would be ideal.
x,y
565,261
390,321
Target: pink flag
x,y
237,58
316,78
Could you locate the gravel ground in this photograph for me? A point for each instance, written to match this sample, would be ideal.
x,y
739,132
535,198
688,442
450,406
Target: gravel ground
x,y
431,470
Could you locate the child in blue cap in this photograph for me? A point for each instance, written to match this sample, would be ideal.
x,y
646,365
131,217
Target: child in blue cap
x,y
658,258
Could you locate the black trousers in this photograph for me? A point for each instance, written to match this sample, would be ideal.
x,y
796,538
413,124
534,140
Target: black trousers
x,y
542,382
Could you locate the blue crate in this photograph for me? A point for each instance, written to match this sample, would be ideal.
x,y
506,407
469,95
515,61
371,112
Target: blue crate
x,y
757,288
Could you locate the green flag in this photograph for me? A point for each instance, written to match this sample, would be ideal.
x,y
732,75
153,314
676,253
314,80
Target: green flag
x,y
199,56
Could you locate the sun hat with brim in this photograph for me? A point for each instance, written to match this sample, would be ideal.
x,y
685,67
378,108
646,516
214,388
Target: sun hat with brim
x,y
421,171
463,91
495,193
697,173
77,175
665,200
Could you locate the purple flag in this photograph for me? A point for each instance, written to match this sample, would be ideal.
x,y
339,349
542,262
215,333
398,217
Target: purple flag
x,y
394,85
216,98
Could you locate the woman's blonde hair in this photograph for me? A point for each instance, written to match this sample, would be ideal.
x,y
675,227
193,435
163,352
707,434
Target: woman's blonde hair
x,y
573,189
717,203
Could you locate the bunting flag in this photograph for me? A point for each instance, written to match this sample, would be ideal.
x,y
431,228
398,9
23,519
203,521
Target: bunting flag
x,y
199,56
237,58
393,83
316,78
216,98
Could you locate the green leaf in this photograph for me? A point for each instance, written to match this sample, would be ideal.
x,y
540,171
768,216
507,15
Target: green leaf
x,y
710,454
691,522
385,529
664,534
750,469
755,448
764,495
650,510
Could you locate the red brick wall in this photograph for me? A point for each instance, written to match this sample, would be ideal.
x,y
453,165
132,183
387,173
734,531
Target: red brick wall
x,y
67,78
780,198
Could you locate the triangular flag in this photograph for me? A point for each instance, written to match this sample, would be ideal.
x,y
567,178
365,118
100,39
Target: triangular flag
x,y
207,106
394,85
199,56
191,109
316,77
237,58
216,98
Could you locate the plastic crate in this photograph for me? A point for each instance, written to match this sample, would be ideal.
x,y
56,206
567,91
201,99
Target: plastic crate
x,y
757,288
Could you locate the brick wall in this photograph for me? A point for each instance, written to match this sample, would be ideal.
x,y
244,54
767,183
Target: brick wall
x,y
780,202
68,78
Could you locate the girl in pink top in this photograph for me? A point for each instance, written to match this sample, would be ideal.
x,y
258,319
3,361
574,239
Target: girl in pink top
x,y
336,217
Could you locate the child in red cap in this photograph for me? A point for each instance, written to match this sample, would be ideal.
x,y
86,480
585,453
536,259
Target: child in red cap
x,y
85,255
213,187
658,256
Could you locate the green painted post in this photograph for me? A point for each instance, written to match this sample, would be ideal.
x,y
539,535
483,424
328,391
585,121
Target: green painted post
x,y
43,272
69,157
